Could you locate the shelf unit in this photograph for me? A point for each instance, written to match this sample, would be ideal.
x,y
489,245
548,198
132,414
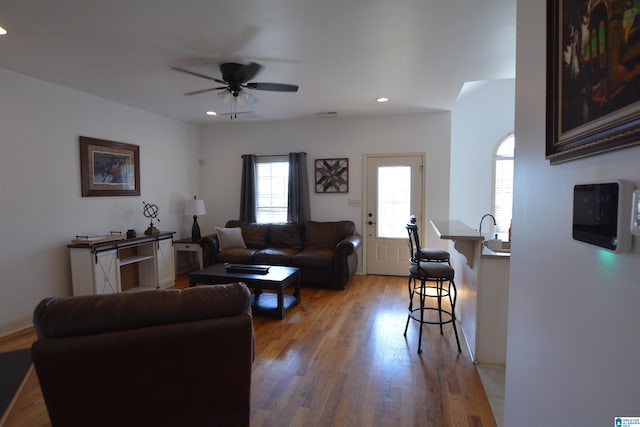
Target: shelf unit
x,y
123,266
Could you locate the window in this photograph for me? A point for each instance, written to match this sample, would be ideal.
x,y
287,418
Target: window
x,y
503,191
272,178
394,200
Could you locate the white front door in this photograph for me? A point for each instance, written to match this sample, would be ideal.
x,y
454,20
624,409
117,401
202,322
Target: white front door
x,y
394,191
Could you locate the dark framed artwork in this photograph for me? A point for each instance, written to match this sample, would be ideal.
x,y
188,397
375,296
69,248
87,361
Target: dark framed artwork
x,y
593,77
332,175
109,168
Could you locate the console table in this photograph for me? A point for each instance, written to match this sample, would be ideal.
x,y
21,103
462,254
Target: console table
x,y
123,265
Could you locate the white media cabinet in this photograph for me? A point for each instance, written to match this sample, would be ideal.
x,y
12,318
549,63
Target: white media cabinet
x,y
123,265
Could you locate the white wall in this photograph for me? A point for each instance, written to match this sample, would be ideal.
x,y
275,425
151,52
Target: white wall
x,y
479,122
41,207
574,331
223,144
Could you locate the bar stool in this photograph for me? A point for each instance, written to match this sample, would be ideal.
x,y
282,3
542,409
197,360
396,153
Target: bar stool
x,y
427,280
424,254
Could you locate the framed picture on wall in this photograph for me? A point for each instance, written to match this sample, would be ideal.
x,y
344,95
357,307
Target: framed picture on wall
x,y
332,175
109,168
593,77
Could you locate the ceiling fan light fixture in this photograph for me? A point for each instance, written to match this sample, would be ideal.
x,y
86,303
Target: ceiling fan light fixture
x,y
224,94
243,97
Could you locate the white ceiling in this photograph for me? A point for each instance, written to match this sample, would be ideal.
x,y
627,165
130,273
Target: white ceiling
x,y
342,53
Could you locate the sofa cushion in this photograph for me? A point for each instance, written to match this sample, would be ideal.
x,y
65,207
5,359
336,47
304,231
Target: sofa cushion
x,y
285,235
314,258
326,235
230,238
255,235
274,256
236,255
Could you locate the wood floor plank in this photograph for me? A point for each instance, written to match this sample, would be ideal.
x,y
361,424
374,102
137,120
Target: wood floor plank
x,y
339,359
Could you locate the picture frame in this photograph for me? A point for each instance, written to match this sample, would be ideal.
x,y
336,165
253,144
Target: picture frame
x,y
109,168
593,78
332,175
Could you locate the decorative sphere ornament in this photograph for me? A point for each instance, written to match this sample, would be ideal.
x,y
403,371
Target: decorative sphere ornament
x,y
150,211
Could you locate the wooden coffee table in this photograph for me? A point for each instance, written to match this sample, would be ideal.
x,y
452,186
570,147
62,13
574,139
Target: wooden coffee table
x,y
278,278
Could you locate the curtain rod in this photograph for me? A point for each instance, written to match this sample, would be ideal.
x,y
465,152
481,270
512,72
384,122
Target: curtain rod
x,y
272,155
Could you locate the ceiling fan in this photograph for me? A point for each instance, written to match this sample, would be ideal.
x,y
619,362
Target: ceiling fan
x,y
235,78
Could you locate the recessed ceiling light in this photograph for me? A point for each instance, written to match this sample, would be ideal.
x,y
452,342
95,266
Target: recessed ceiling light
x,y
2,31
211,113
382,99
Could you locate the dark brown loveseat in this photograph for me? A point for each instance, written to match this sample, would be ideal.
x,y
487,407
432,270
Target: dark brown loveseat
x,y
325,252
153,358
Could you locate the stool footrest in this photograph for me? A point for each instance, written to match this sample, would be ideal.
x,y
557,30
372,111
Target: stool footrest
x,y
416,317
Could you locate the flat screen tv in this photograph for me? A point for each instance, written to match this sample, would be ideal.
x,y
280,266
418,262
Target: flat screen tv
x,y
599,214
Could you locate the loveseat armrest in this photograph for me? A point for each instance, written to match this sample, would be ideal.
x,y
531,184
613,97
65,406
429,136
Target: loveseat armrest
x,y
210,247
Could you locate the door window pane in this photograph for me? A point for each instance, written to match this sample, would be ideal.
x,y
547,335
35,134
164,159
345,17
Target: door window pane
x,y
394,200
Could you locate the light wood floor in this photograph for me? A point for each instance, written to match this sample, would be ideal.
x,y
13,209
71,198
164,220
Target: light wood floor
x,y
338,359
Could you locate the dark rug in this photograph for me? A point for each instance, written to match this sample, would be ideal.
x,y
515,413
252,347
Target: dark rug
x,y
13,367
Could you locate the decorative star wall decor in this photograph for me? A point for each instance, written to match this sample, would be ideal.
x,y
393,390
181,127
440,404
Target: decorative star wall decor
x,y
332,175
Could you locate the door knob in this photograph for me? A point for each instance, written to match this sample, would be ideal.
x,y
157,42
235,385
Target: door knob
x,y
370,222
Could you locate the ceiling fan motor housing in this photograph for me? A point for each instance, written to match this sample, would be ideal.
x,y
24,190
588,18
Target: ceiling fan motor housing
x,y
236,74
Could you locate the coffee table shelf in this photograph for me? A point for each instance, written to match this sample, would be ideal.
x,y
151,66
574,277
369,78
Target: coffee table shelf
x,y
266,303
275,303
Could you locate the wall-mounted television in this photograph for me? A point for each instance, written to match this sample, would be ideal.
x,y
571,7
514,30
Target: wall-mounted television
x,y
601,214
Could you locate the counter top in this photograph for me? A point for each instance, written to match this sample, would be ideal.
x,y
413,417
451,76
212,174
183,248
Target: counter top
x,y
455,230
122,243
488,253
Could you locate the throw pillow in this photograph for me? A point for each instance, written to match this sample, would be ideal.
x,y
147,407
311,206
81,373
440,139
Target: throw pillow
x,y
230,238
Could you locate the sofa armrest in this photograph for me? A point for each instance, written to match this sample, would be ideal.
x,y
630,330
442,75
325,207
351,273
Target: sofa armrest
x,y
210,247
346,259
348,244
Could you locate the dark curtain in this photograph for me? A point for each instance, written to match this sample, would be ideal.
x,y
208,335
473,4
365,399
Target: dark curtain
x,y
298,203
248,191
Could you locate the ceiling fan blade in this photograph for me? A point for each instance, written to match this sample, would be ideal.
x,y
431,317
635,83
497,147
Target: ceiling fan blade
x,y
273,87
195,92
233,114
193,73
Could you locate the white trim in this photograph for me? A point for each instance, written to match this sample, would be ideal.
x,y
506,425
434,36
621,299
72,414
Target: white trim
x,y
15,325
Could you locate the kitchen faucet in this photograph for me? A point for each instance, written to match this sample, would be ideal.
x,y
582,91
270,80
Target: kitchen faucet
x,y
482,219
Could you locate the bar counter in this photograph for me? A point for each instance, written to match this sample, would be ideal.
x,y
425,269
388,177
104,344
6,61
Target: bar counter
x,y
482,279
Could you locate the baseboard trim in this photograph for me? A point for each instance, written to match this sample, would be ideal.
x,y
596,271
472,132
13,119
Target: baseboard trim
x,y
15,325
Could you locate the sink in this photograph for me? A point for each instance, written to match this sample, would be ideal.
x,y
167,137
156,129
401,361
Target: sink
x,y
498,246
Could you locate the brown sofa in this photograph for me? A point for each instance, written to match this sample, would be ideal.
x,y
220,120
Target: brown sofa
x,y
151,358
325,252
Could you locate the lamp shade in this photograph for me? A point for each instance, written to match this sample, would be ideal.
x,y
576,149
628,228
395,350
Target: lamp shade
x,y
195,207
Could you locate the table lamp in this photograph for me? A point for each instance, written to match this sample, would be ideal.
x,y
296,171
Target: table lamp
x,y
195,207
